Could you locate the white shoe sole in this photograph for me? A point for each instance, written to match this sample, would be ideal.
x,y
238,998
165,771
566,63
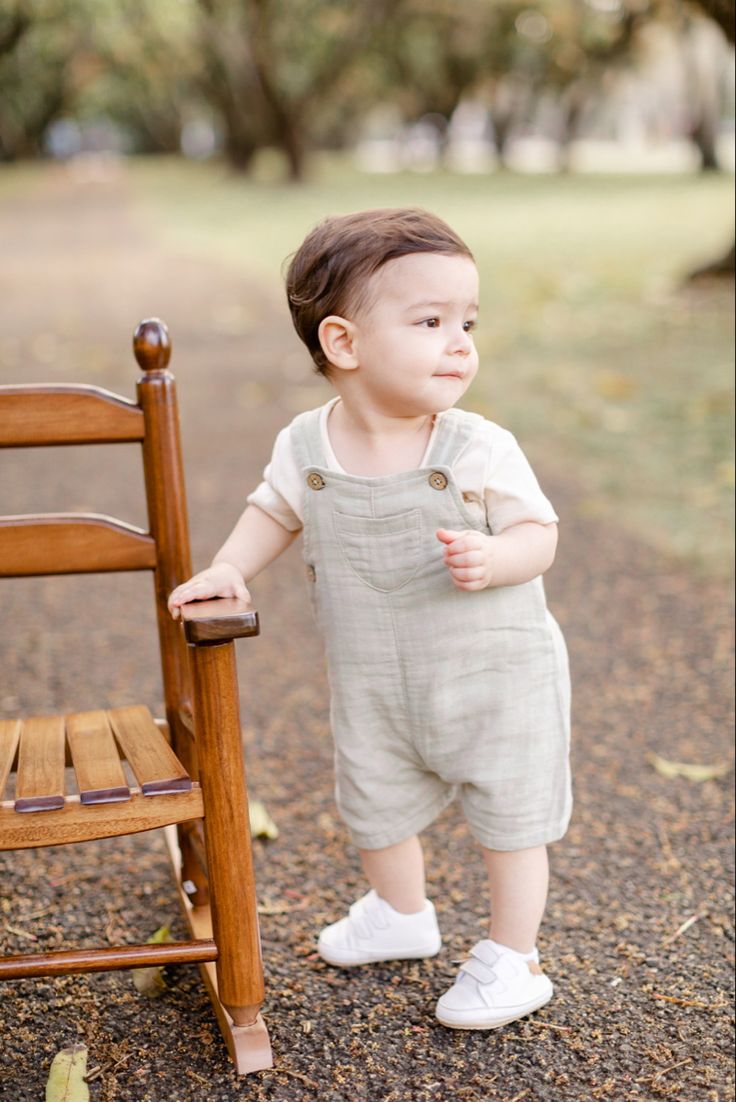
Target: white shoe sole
x,y
463,1020
346,958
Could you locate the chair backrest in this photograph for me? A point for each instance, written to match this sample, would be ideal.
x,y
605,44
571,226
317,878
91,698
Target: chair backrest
x,y
79,543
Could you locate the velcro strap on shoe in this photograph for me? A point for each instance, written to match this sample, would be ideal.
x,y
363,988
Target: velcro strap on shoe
x,y
479,970
363,916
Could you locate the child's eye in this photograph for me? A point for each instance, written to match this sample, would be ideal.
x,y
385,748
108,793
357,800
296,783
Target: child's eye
x,y
469,326
431,323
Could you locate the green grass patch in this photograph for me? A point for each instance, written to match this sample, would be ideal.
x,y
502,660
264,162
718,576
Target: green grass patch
x,y
592,351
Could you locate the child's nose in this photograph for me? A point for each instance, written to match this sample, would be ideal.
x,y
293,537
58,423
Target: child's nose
x,y
461,342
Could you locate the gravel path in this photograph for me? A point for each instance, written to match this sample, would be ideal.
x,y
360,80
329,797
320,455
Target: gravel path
x,y
643,1004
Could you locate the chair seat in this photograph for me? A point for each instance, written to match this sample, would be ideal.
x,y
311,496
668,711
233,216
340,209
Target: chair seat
x,y
49,808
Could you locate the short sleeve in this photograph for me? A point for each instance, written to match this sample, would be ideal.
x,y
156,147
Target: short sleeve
x,y
280,494
511,492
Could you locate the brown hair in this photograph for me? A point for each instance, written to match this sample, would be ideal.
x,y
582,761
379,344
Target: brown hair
x,y
328,273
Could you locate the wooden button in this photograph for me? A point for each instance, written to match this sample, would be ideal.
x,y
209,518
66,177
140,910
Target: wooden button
x,y
315,481
437,480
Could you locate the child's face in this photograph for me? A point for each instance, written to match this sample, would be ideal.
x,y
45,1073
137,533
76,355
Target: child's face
x,y
413,340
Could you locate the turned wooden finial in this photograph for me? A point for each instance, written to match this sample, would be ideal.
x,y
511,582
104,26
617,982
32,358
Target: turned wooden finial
x,y
152,345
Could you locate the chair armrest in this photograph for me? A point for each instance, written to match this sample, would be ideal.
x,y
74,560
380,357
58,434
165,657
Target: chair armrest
x,y
219,621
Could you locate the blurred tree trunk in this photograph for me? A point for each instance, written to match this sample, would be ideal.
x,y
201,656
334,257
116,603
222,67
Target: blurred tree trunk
x,y
12,32
239,150
291,112
287,114
24,117
504,117
510,101
146,64
21,132
271,69
240,143
703,135
573,101
228,82
705,62
722,12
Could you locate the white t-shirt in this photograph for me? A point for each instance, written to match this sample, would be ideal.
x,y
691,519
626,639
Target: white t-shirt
x,y
492,473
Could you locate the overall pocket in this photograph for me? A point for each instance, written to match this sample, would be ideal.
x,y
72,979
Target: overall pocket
x,y
385,552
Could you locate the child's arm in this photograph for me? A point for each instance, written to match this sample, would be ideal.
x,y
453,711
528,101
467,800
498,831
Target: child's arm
x,y
255,541
517,555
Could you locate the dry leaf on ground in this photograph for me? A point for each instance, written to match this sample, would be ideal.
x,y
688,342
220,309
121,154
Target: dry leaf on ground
x,y
261,823
66,1076
150,981
690,770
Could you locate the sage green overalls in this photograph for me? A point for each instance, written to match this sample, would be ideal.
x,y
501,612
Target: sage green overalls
x,y
434,689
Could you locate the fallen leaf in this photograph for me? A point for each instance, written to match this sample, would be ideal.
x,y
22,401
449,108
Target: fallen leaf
x,y
66,1076
612,384
261,823
691,771
150,981
20,933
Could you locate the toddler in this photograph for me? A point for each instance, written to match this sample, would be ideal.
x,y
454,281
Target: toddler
x,y
425,538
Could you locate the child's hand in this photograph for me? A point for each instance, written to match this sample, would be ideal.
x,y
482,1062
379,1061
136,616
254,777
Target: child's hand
x,y
468,556
222,579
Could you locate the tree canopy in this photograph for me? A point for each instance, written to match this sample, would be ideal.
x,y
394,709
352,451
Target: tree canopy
x,y
297,74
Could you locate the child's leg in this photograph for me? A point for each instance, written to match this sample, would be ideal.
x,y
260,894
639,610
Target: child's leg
x,y
518,882
393,921
396,873
502,980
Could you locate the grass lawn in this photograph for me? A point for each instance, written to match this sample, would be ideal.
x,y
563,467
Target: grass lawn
x,y
591,350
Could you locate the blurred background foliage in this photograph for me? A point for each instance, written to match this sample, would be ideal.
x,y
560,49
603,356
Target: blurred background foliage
x,y
297,75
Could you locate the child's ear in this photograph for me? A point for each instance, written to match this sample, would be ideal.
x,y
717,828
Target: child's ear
x,y
337,337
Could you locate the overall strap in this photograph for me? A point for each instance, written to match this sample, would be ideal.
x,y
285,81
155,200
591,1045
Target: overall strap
x,y
454,429
306,439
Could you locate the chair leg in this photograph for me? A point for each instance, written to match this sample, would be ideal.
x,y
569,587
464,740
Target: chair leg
x,y
239,967
249,1046
193,863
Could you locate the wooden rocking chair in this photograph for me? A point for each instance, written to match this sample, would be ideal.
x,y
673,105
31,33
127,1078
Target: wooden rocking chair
x,y
187,767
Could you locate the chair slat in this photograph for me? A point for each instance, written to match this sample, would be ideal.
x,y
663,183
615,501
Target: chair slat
x,y
71,543
39,783
156,766
37,415
78,822
9,735
100,776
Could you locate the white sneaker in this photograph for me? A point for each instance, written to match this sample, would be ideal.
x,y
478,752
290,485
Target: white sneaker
x,y
373,931
494,987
